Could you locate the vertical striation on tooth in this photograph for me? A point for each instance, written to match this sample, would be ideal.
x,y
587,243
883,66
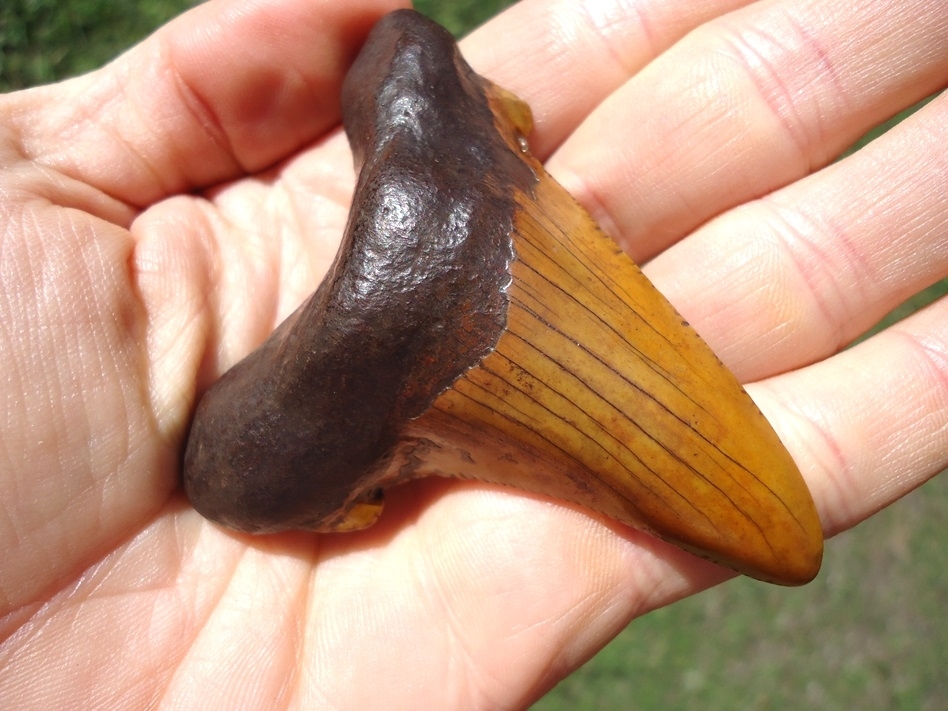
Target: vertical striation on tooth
x,y
476,323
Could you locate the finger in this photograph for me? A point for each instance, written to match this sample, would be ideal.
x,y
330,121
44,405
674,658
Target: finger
x,y
871,423
749,103
226,89
496,615
802,272
565,57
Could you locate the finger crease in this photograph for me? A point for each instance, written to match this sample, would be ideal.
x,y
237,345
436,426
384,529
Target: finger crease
x,y
806,246
600,27
203,115
764,58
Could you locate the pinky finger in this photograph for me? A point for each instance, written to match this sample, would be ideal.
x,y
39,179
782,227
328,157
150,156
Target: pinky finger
x,y
870,424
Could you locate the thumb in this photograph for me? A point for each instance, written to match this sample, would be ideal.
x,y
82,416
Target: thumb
x,y
227,88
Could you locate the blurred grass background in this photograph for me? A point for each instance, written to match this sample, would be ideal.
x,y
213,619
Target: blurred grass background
x,y
870,633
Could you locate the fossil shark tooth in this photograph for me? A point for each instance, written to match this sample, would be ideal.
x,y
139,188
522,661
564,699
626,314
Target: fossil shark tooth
x,y
477,323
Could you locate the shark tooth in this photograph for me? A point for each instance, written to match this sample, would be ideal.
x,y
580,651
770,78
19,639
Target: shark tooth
x,y
477,323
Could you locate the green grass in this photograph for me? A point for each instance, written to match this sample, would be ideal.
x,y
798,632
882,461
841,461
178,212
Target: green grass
x,y
45,40
870,633
461,17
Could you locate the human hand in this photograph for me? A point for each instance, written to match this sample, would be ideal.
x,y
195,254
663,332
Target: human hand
x,y
162,215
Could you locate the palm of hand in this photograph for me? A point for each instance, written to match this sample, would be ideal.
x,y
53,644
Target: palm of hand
x,y
124,296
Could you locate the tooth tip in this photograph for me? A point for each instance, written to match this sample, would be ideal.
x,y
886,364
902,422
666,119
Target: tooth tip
x,y
796,562
796,569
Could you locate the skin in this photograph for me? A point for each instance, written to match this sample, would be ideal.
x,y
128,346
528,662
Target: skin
x,y
163,214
